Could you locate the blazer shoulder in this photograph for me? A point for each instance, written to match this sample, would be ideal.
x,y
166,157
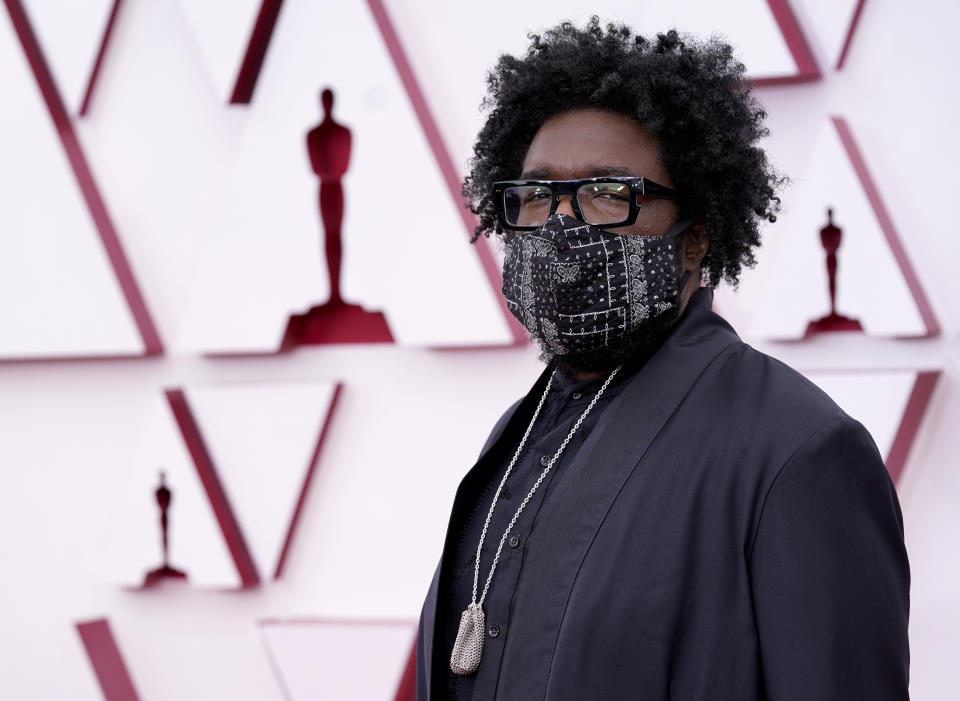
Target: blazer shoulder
x,y
750,393
838,464
775,390
794,429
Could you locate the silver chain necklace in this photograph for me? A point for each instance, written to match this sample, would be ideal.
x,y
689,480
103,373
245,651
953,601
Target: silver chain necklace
x,y
468,647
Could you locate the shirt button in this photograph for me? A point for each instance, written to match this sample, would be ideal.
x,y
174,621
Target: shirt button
x,y
577,395
494,631
514,541
544,460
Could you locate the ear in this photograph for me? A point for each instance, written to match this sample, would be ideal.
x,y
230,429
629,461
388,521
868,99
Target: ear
x,y
693,247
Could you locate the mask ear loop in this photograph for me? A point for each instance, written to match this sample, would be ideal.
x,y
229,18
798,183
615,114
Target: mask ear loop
x,y
678,227
673,232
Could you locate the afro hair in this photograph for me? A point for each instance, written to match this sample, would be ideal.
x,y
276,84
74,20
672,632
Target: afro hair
x,y
691,94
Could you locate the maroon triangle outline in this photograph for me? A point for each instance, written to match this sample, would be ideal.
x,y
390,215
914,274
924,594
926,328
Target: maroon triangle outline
x,y
870,190
307,480
854,22
859,165
444,161
213,486
807,69
88,186
216,493
247,78
913,415
256,52
104,40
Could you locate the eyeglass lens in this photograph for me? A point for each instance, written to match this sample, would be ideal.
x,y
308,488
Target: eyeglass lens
x,y
600,203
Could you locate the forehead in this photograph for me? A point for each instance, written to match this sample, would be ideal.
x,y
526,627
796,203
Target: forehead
x,y
583,143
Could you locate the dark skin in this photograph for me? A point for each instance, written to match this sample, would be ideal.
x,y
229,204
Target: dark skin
x,y
585,143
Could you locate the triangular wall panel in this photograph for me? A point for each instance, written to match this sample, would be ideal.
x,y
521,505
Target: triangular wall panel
x,y
53,263
71,34
265,442
222,31
321,659
876,281
272,263
832,24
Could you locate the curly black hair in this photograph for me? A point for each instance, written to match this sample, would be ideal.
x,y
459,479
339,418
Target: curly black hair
x,y
690,93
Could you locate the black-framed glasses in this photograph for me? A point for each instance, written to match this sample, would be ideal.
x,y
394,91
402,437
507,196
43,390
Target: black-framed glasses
x,y
608,201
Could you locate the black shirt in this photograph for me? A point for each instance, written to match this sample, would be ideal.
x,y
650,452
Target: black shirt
x,y
565,402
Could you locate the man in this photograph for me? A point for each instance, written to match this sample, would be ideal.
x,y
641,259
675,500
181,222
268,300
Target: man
x,y
668,513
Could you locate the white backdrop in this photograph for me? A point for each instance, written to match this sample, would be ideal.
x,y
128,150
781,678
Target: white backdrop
x,y
214,206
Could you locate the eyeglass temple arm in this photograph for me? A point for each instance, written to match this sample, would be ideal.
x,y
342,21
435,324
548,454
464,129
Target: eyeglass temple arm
x,y
648,187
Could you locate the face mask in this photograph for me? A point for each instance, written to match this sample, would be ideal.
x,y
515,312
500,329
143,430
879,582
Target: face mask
x,y
577,288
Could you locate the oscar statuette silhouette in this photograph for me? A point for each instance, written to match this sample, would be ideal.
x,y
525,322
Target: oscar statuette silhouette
x,y
165,571
830,238
336,321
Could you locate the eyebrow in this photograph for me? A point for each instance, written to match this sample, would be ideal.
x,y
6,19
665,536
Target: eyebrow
x,y
543,173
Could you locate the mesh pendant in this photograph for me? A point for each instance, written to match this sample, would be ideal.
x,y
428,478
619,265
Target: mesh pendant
x,y
468,646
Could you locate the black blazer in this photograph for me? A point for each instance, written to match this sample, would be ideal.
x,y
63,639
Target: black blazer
x,y
726,532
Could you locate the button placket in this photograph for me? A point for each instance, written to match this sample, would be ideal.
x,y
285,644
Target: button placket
x,y
501,592
544,440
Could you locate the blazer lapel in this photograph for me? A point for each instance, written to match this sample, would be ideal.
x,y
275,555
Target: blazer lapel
x,y
567,524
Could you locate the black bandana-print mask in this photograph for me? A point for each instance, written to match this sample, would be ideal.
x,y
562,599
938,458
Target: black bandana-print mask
x,y
578,289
